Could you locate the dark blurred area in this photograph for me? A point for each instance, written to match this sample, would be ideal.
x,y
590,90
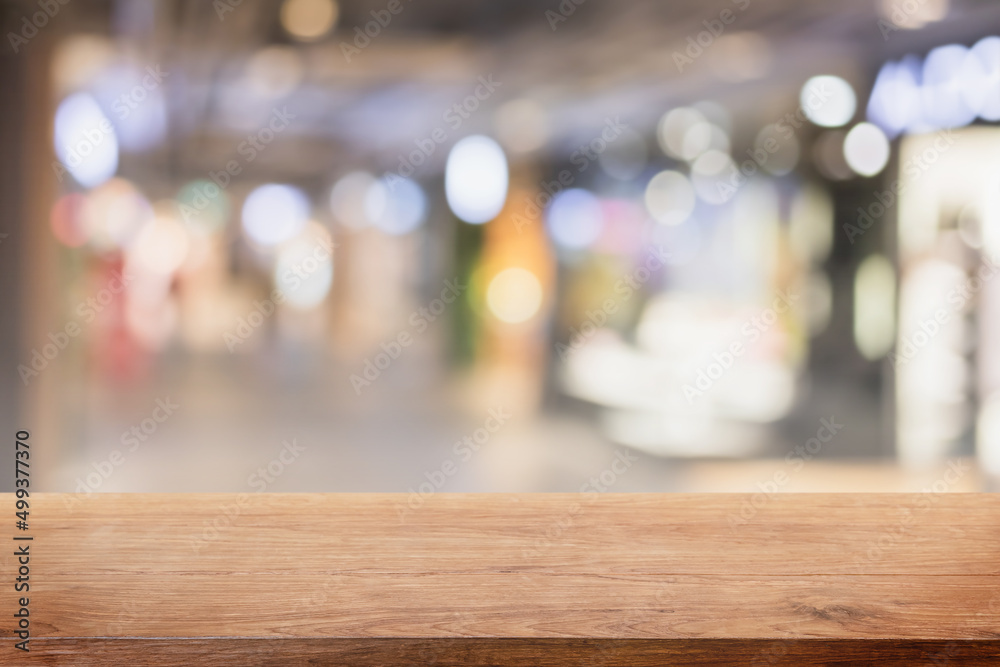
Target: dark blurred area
x,y
429,245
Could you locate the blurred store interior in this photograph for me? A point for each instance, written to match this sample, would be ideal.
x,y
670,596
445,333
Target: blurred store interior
x,y
338,245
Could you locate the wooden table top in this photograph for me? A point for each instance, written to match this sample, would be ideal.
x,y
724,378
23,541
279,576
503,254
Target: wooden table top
x,y
510,579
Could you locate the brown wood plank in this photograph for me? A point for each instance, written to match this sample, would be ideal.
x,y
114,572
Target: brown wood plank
x,y
518,605
540,579
790,534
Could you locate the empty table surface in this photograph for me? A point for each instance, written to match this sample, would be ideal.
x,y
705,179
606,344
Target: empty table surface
x,y
510,579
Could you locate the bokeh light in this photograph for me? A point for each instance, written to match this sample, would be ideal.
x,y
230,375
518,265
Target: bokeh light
x,y
113,215
395,205
895,100
715,177
912,15
203,207
308,20
670,197
866,149
597,217
476,179
874,306
304,268
273,213
161,246
828,101
514,295
948,70
574,218
347,199
675,133
85,140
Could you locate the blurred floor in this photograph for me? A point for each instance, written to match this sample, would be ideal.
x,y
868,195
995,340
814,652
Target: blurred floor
x,y
405,435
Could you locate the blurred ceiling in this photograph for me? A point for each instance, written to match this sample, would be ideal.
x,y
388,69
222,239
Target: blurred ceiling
x,y
606,59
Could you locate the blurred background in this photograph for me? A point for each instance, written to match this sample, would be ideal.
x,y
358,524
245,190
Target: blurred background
x,y
338,245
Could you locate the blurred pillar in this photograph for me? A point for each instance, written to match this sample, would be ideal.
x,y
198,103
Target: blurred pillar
x,y
513,285
27,252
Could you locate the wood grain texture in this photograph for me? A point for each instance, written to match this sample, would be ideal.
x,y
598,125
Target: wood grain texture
x,y
536,579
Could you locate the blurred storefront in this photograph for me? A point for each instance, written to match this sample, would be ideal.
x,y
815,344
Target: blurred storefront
x,y
479,247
